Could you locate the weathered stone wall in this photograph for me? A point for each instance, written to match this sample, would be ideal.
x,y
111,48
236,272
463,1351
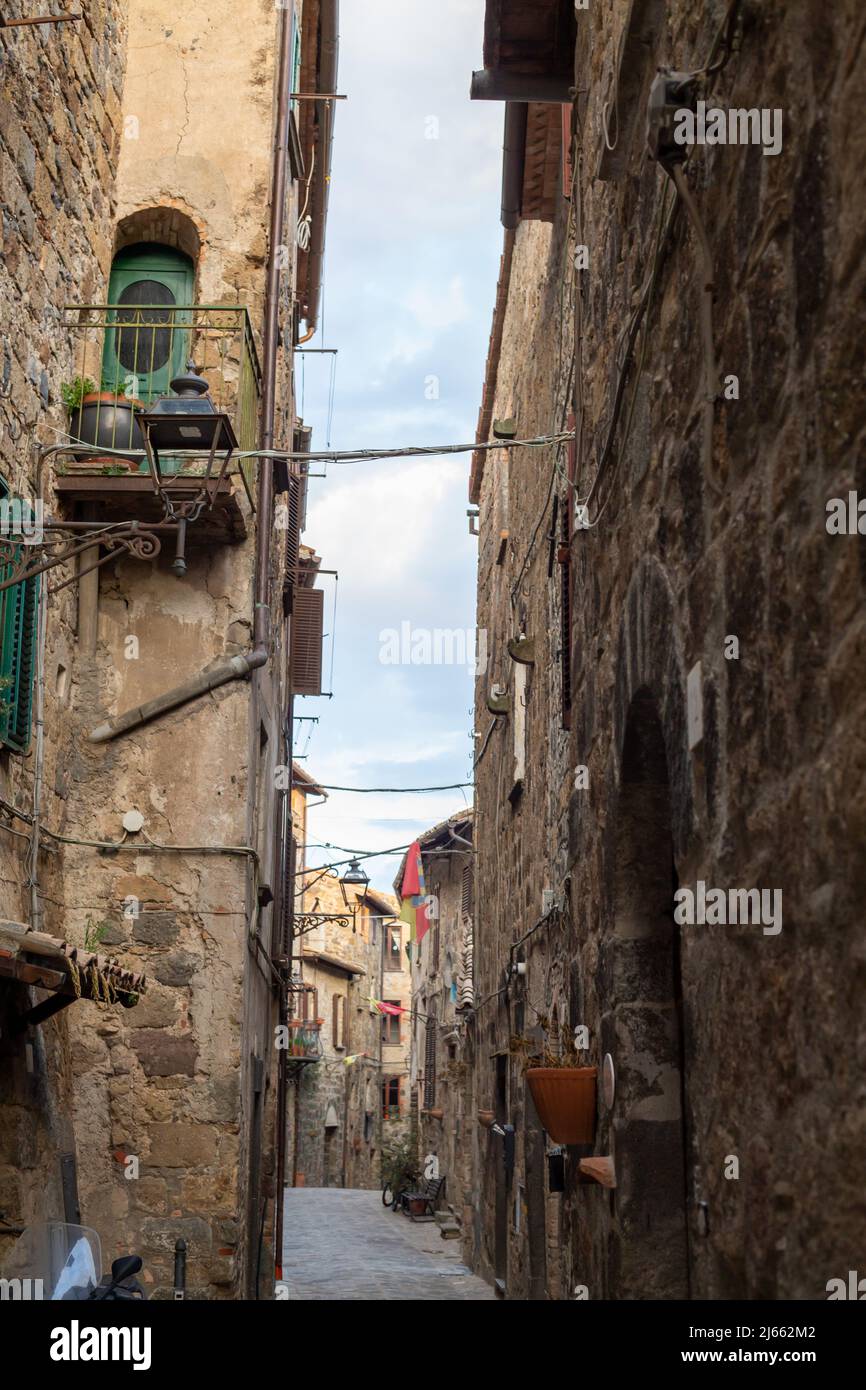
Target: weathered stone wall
x,y
59,136
193,1063
185,1083
756,1064
447,1135
348,1154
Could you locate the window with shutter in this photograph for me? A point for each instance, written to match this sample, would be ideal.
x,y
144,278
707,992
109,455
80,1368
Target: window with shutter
x,y
430,1064
466,891
336,1020
567,514
565,614
393,953
391,1024
293,541
391,1098
307,629
19,612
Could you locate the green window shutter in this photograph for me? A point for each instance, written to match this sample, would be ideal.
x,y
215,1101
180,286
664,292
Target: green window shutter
x,y
19,615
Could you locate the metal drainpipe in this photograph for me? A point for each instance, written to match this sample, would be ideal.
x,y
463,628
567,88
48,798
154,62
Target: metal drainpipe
x,y
39,721
513,161
330,18
265,490
265,496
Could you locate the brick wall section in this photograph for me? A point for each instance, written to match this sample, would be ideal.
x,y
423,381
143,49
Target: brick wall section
x,y
773,796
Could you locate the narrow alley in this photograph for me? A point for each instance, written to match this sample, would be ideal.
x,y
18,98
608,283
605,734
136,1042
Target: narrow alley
x,y
433,731
342,1243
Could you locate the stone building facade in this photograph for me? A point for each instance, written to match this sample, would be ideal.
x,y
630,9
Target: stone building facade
x,y
442,999
345,1104
138,168
676,665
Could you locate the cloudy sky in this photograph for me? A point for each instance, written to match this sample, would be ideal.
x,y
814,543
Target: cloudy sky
x,y
412,257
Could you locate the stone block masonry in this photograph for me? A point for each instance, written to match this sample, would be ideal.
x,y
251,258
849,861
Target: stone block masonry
x,y
713,644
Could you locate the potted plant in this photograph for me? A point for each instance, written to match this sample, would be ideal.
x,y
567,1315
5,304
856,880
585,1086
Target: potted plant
x,y
486,1118
104,419
564,1092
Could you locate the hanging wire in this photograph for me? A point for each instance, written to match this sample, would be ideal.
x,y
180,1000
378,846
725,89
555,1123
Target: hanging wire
x,y
333,634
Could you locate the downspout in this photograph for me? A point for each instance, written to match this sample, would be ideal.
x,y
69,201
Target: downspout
x,y
231,668
513,161
327,69
39,768
265,505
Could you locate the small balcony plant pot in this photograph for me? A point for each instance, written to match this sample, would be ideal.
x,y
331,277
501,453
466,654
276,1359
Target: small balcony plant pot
x,y
486,1118
565,1098
416,1205
106,421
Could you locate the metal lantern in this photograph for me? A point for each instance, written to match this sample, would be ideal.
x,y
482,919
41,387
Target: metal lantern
x,y
187,421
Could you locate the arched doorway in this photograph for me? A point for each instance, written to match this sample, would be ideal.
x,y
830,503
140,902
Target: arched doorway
x,y
147,339
648,1254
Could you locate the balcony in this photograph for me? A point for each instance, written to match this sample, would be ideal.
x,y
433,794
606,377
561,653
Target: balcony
x,y
126,356
305,1042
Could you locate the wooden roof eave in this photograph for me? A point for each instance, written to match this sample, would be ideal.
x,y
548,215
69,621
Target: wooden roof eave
x,y
65,970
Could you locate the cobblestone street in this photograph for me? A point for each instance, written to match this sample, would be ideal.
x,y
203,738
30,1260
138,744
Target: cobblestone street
x,y
343,1244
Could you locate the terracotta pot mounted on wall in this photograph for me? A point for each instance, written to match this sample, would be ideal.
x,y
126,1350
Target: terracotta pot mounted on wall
x,y
565,1100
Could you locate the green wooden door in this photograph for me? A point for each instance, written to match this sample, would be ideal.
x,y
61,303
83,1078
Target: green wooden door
x,y
149,345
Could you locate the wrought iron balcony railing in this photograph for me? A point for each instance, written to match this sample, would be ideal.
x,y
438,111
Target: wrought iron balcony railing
x,y
126,356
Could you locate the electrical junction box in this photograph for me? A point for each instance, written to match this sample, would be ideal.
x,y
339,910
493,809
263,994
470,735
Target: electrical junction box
x,y
670,92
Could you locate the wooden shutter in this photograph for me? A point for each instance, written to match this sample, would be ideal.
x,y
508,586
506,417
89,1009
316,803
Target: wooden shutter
x,y
19,612
288,888
335,1020
430,1064
307,630
466,891
565,615
293,542
346,1021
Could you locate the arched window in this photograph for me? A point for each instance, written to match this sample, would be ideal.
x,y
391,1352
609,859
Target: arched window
x,y
147,339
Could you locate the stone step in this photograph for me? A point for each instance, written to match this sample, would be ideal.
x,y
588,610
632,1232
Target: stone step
x,y
450,1231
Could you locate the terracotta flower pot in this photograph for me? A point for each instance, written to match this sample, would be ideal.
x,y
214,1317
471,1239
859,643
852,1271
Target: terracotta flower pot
x,y
565,1098
486,1118
417,1206
107,420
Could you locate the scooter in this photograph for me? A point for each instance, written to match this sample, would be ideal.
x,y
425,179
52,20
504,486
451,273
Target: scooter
x,y
57,1261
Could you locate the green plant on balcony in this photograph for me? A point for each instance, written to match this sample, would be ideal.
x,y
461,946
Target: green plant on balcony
x,y
104,422
72,392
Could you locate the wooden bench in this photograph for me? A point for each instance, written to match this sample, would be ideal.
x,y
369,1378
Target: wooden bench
x,y
430,1194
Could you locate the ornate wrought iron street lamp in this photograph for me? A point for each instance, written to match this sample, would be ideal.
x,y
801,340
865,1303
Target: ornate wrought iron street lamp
x,y
354,877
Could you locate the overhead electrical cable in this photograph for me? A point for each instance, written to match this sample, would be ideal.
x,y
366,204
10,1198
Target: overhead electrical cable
x,y
341,456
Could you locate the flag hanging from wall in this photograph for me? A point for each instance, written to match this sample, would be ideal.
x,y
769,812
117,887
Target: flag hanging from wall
x,y
413,905
383,1007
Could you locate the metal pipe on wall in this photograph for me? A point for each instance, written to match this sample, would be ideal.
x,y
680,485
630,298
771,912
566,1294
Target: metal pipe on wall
x,y
327,82
265,503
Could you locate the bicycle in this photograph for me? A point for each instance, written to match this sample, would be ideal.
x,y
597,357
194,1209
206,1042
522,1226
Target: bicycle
x,y
394,1190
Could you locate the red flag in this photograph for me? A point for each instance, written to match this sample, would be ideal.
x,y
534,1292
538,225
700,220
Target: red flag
x,y
413,883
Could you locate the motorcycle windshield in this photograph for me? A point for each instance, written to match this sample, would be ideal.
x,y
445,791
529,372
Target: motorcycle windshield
x,y
53,1260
